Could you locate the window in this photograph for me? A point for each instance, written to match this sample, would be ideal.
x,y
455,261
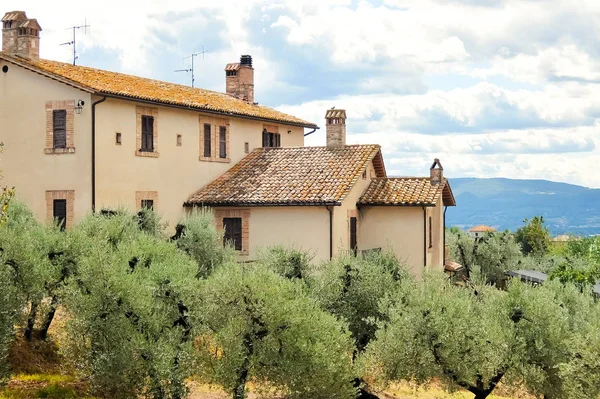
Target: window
x,y
230,73
246,147
222,142
118,138
353,242
207,141
148,204
214,139
233,232
364,175
179,140
271,139
430,233
59,126
59,212
147,133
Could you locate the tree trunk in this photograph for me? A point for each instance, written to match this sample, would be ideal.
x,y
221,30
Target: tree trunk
x,y
31,321
240,389
49,317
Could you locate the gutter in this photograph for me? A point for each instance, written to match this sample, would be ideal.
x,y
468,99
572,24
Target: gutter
x,y
311,132
424,237
257,205
330,209
94,152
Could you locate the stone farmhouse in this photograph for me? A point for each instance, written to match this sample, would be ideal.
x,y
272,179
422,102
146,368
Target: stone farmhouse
x,y
80,139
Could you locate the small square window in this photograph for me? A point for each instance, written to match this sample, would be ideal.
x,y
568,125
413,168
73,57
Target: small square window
x,y
118,138
148,204
246,147
179,140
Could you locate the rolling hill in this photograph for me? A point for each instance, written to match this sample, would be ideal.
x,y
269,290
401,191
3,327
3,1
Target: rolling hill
x,y
504,203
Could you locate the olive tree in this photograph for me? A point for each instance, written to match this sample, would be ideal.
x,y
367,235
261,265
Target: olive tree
x,y
197,235
130,305
6,195
494,254
262,327
475,338
11,300
287,262
351,288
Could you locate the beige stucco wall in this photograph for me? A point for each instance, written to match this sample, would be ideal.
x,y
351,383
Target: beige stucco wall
x,y
23,96
300,227
174,175
342,214
435,255
177,172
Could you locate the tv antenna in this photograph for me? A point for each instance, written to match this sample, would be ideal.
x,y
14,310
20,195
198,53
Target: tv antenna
x,y
192,56
72,43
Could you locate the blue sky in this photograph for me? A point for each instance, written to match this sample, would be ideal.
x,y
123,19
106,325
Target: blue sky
x,y
493,88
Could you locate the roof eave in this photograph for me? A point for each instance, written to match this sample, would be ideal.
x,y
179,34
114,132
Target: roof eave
x,y
256,204
397,204
205,110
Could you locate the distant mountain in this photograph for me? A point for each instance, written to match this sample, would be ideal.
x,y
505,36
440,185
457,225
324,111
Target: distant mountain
x,y
504,203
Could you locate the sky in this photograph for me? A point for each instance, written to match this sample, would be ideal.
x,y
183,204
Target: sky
x,y
493,88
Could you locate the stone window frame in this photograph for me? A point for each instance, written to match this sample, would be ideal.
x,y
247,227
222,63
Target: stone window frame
x,y
149,111
68,195
69,107
146,195
215,123
244,214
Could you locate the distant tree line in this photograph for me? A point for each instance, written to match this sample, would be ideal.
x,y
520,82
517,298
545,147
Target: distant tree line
x,y
144,312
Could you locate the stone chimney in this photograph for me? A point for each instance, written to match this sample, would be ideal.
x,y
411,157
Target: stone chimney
x,y
335,122
436,173
21,35
239,79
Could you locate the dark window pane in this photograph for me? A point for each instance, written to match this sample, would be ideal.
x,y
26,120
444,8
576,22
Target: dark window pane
x,y
353,243
59,122
277,140
147,133
430,233
233,232
60,212
148,204
222,142
207,141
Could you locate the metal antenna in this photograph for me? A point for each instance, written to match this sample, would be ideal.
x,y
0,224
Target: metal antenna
x,y
84,27
192,56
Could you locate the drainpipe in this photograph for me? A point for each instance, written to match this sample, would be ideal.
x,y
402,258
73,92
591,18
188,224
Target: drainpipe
x,y
311,132
330,209
94,152
424,237
444,232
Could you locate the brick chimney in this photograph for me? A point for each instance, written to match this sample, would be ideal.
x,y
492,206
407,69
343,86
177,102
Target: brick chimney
x,y
21,35
239,79
436,173
335,122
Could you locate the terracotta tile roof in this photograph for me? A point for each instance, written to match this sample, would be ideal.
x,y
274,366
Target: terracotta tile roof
x,y
406,191
138,88
481,229
291,176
